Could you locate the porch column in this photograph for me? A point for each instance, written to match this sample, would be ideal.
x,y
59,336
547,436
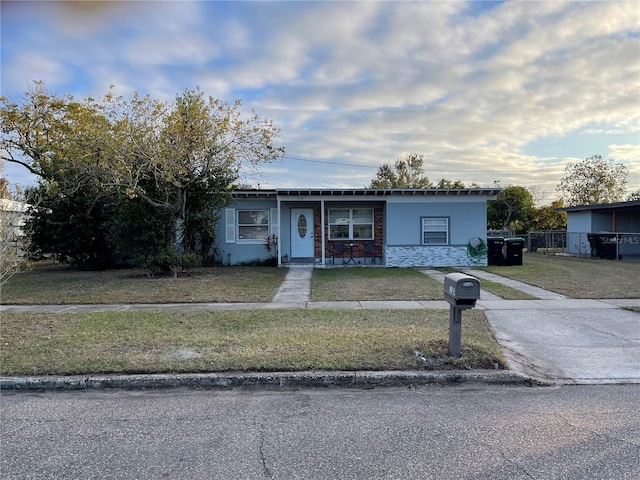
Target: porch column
x,y
322,230
279,238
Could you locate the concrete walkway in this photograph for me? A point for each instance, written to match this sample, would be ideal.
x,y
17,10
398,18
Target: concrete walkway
x,y
296,287
552,338
524,287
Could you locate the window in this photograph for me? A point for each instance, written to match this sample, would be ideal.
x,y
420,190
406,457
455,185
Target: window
x,y
435,231
253,225
351,224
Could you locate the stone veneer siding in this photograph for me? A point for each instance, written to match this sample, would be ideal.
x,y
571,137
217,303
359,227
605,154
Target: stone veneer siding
x,y
421,256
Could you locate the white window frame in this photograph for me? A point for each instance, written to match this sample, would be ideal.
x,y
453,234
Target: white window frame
x,y
434,225
351,224
239,225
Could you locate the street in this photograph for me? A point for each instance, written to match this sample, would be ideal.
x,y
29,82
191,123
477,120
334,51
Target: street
x,y
432,432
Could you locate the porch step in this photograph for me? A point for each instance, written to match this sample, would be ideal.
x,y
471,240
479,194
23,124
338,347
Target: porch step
x,y
296,286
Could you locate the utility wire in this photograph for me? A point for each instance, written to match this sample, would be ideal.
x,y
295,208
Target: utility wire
x,y
357,165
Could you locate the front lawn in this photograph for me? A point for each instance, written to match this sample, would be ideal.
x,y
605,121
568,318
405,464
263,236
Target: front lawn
x,y
246,340
337,284
60,284
576,277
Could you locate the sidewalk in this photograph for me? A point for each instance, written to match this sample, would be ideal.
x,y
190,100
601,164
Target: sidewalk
x,y
551,339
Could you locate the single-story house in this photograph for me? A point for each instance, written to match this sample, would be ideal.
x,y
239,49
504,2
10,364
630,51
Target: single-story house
x,y
391,227
607,230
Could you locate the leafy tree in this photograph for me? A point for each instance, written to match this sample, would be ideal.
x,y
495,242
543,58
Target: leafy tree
x,y
444,183
180,158
593,180
142,233
73,226
407,173
634,196
193,141
511,209
547,218
52,136
202,211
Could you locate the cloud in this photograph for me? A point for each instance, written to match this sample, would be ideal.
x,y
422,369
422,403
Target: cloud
x,y
629,153
34,66
486,91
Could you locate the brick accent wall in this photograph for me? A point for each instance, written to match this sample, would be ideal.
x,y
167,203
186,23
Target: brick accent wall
x,y
358,245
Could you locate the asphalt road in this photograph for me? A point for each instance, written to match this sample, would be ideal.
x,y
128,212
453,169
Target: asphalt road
x,y
432,432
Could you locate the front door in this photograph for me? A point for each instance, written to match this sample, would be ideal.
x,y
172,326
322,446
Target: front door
x,y
302,233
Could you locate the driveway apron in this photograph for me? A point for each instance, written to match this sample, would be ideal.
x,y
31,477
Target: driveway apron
x,y
577,345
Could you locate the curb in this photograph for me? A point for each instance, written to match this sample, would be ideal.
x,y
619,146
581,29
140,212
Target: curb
x,y
367,379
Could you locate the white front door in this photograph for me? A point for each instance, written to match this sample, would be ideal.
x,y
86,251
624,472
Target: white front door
x,y
301,232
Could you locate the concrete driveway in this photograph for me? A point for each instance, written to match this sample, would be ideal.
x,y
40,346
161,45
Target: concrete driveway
x,y
587,341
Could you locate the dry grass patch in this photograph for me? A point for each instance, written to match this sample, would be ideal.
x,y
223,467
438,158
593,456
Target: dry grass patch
x,y
577,277
341,284
60,284
252,340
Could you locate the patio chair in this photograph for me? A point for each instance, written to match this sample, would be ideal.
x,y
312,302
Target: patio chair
x,y
337,250
370,252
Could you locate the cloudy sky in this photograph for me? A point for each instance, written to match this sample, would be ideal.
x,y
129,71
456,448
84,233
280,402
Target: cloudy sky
x,y
486,91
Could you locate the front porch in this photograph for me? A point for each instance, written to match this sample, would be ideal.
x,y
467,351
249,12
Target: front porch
x,y
327,233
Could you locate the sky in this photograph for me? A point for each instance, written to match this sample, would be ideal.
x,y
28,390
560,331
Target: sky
x,y
485,91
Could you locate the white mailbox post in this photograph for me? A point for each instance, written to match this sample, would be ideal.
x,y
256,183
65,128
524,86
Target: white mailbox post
x,y
461,292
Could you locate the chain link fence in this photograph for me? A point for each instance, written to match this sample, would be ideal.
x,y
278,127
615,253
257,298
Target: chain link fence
x,y
609,245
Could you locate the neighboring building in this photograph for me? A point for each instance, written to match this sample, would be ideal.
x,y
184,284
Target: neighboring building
x,y
12,241
607,230
12,216
391,227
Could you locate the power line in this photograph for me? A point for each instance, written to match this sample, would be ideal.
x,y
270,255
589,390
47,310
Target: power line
x,y
456,130
357,165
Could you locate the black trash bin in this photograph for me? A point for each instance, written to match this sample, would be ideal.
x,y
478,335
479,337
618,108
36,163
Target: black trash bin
x,y
495,251
607,245
514,247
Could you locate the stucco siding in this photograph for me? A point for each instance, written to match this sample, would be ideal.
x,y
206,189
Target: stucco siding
x,y
404,228
403,233
579,222
398,224
236,252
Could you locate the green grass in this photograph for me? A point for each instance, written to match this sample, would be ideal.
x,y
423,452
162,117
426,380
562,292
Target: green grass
x,y
248,340
60,284
504,291
341,284
576,277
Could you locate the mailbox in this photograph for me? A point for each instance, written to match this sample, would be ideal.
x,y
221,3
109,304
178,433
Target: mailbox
x,y
461,291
